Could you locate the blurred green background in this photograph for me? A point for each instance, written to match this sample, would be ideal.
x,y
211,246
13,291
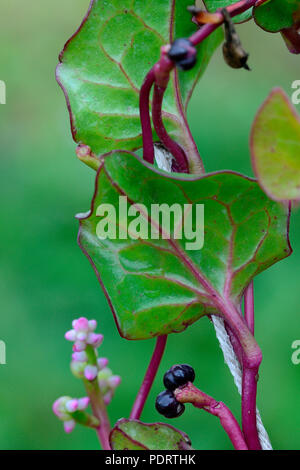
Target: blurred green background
x,y
46,281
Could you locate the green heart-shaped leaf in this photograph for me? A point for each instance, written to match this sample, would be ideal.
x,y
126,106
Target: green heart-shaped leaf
x,y
135,435
213,5
104,64
275,15
159,286
275,147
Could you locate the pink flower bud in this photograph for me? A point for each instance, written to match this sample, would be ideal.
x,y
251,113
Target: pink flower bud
x,y
79,356
77,369
94,339
81,324
114,381
69,426
70,335
72,405
102,362
107,398
79,346
83,403
90,372
56,408
92,325
81,336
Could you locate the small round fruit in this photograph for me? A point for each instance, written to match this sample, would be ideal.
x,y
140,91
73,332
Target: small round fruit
x,y
167,405
189,371
179,49
187,63
178,375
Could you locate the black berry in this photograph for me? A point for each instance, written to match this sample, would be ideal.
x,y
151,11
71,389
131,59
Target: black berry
x,y
178,375
187,63
183,53
167,405
179,49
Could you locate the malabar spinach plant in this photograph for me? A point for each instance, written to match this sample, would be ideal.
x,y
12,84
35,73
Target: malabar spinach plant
x,y
128,74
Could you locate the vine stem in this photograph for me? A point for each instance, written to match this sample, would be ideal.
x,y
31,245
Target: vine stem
x,y
191,394
250,375
251,358
250,378
249,307
159,74
99,410
233,10
251,354
181,164
148,149
149,377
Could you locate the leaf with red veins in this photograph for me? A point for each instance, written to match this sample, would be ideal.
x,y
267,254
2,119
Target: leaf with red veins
x,y
275,147
104,63
159,286
135,435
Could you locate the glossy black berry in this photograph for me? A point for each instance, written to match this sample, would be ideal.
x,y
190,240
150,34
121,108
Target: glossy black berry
x,y
179,49
178,375
187,63
167,405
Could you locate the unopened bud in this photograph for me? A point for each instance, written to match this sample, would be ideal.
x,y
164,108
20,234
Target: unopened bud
x,y
102,362
90,372
69,425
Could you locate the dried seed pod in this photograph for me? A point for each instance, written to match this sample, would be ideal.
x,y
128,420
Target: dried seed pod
x,y
233,52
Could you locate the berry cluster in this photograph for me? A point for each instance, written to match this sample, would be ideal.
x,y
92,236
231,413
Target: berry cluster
x,y
166,403
183,53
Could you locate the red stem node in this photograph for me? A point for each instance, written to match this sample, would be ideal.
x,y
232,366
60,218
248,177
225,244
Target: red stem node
x,y
190,394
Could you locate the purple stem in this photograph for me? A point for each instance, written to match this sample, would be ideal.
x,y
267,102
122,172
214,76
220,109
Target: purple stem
x,y
229,424
180,165
249,388
249,307
251,359
250,374
149,377
99,410
250,379
148,149
190,394
234,10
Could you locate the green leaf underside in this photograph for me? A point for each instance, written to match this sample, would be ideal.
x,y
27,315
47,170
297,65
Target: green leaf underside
x,y
135,435
104,64
157,287
275,15
213,5
275,148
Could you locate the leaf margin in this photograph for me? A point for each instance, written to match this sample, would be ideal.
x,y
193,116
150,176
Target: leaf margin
x,y
285,97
